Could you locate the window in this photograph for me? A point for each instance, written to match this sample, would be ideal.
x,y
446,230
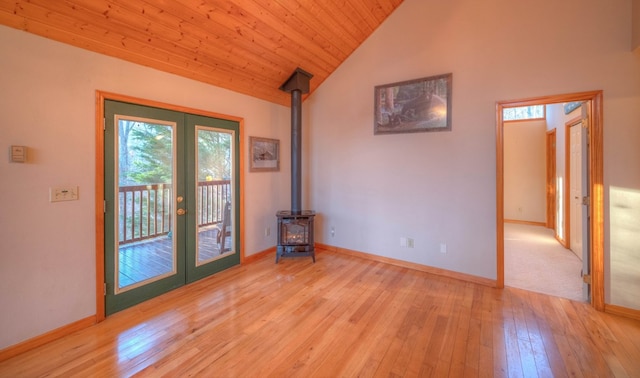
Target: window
x,y
524,113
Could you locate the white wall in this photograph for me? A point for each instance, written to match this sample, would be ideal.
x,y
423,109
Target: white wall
x,y
525,179
47,103
440,187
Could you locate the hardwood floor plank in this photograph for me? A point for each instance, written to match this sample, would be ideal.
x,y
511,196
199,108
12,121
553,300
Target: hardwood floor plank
x,y
585,351
377,306
372,346
625,346
441,356
472,354
343,316
534,336
526,358
622,356
418,325
571,363
485,365
500,367
435,344
460,346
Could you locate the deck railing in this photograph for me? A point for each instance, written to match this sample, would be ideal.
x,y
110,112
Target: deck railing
x,y
212,195
146,210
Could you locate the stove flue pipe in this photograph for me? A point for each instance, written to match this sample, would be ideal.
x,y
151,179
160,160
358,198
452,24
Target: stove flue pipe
x,y
297,85
296,151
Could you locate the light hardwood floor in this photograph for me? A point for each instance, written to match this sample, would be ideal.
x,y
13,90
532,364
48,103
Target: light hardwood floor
x,y
343,316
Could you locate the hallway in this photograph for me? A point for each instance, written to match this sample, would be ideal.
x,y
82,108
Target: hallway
x,y
534,260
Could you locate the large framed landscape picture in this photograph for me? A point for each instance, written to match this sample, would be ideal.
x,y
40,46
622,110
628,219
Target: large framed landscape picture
x,y
413,106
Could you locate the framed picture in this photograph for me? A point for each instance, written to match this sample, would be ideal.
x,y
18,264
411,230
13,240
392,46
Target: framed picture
x,y
264,154
571,106
413,106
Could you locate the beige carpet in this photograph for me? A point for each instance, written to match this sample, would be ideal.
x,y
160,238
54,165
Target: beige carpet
x,y
535,261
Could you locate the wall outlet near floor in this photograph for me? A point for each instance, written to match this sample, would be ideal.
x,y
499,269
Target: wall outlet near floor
x,y
443,247
333,231
267,231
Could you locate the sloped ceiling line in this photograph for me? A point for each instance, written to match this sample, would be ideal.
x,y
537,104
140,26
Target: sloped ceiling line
x,y
247,46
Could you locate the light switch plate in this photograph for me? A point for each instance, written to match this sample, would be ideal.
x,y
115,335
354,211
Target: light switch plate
x,y
63,193
18,154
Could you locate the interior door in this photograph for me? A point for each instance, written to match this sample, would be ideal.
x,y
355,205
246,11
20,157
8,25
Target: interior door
x,y
575,188
585,221
579,196
169,176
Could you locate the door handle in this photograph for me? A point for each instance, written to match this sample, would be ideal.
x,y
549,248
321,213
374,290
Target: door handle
x,y
181,211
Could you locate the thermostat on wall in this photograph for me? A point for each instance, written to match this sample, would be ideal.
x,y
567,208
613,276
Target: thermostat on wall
x,y
18,154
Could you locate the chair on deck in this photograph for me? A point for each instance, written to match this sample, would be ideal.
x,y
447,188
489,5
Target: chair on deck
x,y
224,228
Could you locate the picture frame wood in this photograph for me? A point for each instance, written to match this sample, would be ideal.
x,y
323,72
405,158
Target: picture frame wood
x,y
412,106
264,154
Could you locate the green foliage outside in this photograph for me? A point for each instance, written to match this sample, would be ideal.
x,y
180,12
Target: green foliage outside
x,y
214,155
146,154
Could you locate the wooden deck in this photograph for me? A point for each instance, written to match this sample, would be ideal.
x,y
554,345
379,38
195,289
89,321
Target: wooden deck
x,y
343,317
150,258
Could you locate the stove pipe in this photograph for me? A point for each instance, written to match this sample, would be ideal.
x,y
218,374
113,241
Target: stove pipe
x,y
297,85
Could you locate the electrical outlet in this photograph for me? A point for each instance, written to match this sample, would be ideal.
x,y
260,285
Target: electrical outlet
x,y
267,231
403,242
333,231
443,247
409,243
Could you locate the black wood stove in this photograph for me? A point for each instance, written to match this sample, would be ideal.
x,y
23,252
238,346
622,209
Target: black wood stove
x,y
295,234
295,226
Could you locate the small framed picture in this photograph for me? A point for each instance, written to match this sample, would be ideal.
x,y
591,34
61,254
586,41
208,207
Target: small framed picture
x,y
264,154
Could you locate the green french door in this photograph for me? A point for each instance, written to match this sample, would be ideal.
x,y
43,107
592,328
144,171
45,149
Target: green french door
x,y
171,208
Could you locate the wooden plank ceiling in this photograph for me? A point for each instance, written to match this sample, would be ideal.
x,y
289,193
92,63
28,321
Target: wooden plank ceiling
x,y
248,46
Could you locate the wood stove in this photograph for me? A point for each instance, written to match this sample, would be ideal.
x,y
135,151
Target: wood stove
x,y
295,234
295,226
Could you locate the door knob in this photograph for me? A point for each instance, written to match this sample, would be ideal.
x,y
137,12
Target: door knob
x,y
181,211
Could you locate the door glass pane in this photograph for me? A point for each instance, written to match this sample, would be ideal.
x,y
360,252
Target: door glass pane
x,y
145,213
214,194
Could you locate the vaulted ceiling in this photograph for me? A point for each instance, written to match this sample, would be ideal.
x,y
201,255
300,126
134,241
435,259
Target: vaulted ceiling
x,y
248,46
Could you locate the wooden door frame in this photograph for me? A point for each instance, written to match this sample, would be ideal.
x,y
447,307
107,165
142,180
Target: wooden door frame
x,y
101,96
596,185
551,177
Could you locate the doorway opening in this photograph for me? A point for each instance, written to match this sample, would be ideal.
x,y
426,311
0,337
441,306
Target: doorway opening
x,y
594,272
